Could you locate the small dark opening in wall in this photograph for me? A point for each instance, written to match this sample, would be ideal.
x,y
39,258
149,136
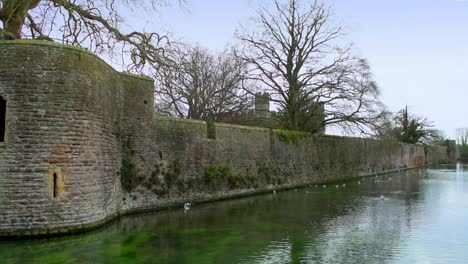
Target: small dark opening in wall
x,y
2,119
161,155
55,185
146,102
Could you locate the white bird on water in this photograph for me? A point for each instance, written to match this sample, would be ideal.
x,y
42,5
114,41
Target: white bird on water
x,y
187,206
382,197
274,192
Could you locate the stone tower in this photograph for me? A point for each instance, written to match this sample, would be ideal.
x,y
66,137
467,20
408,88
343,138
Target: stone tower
x,y
64,115
262,105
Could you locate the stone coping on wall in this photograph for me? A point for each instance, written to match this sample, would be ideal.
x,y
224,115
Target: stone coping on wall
x,y
179,120
201,122
241,127
69,47
377,140
141,77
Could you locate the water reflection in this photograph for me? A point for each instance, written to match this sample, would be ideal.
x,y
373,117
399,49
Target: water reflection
x,y
423,218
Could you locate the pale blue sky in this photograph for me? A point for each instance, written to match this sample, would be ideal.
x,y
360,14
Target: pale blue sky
x,y
418,49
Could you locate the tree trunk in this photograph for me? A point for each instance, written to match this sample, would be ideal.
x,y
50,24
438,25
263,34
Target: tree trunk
x,y
293,106
293,118
13,15
14,27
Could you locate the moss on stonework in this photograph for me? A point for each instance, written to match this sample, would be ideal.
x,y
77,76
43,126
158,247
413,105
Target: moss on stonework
x,y
173,172
216,172
270,173
129,178
164,180
289,136
222,176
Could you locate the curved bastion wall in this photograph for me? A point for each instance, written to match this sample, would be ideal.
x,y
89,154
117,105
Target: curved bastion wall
x,y
61,160
82,146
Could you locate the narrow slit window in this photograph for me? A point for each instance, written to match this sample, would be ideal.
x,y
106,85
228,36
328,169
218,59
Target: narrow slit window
x,y
55,185
2,119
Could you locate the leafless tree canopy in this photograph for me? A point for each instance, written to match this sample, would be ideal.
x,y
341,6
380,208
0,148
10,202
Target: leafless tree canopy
x,y
295,53
462,136
201,85
93,24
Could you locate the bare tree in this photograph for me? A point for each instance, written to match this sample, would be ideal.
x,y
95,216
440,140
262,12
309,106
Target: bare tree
x,y
93,24
385,127
295,53
462,136
462,141
200,85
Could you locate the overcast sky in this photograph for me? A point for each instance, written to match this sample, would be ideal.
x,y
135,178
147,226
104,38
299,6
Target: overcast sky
x,y
418,49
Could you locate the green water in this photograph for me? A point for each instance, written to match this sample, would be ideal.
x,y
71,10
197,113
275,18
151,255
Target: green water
x,y
423,218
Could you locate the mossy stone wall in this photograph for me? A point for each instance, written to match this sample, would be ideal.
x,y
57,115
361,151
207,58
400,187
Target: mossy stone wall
x,y
65,107
71,114
182,163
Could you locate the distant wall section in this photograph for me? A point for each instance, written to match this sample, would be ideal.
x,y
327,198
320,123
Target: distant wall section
x,y
438,154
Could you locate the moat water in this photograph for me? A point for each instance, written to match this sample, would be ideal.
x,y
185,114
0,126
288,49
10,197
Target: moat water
x,y
422,218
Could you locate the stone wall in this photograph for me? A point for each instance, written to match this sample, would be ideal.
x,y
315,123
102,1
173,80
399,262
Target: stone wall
x,y
438,154
63,117
180,163
83,146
